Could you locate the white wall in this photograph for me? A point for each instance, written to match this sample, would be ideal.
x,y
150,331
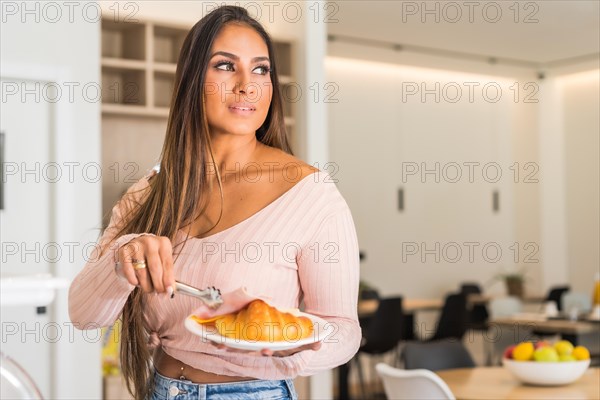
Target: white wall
x,y
63,43
581,132
280,19
568,148
375,132
525,150
553,235
547,133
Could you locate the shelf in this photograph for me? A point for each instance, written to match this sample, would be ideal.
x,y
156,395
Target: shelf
x,y
291,95
123,86
167,43
163,89
291,135
289,90
285,79
123,40
283,57
142,111
139,62
123,63
165,67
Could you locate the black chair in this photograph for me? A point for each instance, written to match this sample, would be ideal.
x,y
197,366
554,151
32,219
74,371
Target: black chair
x,y
383,332
369,294
452,323
477,315
555,294
436,356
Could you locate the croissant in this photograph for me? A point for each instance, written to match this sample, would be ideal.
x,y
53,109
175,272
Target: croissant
x,y
259,321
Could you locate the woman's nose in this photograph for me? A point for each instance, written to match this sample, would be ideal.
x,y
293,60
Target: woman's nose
x,y
244,85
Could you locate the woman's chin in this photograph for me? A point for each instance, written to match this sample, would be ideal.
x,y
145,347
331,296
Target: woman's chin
x,y
239,130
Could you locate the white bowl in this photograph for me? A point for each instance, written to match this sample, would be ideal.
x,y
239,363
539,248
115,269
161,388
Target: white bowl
x,y
546,373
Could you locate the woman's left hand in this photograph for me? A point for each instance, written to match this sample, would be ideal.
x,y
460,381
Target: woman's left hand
x,y
270,353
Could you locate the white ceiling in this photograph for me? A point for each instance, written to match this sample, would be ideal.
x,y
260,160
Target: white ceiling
x,y
565,29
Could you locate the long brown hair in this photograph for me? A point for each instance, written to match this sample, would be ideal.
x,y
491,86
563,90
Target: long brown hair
x,y
182,187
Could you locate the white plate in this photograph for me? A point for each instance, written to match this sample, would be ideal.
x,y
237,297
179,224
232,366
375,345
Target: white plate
x,y
321,330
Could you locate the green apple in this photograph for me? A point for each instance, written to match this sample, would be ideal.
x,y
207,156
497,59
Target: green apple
x,y
566,357
545,354
563,348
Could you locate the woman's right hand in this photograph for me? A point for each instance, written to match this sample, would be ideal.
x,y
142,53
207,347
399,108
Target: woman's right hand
x,y
157,252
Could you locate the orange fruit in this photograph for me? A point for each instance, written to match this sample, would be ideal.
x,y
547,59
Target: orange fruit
x,y
523,351
581,353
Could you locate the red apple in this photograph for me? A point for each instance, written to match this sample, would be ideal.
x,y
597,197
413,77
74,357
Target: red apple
x,y
509,350
542,343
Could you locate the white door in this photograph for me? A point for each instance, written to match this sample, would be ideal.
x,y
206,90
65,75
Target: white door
x,y
25,222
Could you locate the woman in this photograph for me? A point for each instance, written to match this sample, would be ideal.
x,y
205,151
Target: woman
x,y
230,208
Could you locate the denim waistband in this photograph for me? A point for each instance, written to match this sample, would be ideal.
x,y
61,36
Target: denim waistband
x,y
168,388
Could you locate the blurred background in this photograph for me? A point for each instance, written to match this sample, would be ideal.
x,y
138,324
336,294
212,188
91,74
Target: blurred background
x,y
463,135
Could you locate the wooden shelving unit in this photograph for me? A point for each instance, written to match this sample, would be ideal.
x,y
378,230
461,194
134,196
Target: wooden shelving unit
x,y
138,67
284,55
138,70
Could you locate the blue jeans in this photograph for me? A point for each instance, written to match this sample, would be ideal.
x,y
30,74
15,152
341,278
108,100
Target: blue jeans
x,y
167,389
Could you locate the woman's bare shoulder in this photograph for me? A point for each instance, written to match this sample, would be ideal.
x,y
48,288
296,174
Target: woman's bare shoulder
x,y
285,164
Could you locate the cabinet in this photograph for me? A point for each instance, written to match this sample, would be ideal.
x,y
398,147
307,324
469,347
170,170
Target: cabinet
x,y
290,89
138,67
139,61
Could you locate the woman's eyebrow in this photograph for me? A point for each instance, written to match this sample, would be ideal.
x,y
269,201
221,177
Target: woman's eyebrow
x,y
234,57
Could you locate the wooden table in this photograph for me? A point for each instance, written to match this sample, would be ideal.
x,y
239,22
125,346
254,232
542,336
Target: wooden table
x,y
368,307
484,299
497,383
551,326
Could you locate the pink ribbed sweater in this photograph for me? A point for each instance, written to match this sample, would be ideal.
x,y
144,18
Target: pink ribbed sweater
x,y
302,246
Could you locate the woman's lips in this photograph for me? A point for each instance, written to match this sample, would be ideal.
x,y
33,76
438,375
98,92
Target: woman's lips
x,y
242,109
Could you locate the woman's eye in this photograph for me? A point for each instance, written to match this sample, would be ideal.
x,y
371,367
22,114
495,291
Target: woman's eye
x,y
228,66
262,69
225,66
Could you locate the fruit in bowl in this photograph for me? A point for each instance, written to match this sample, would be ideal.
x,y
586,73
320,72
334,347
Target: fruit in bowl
x,y
546,364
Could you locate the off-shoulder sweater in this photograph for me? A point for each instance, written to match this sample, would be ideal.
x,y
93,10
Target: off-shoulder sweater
x,y
302,247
